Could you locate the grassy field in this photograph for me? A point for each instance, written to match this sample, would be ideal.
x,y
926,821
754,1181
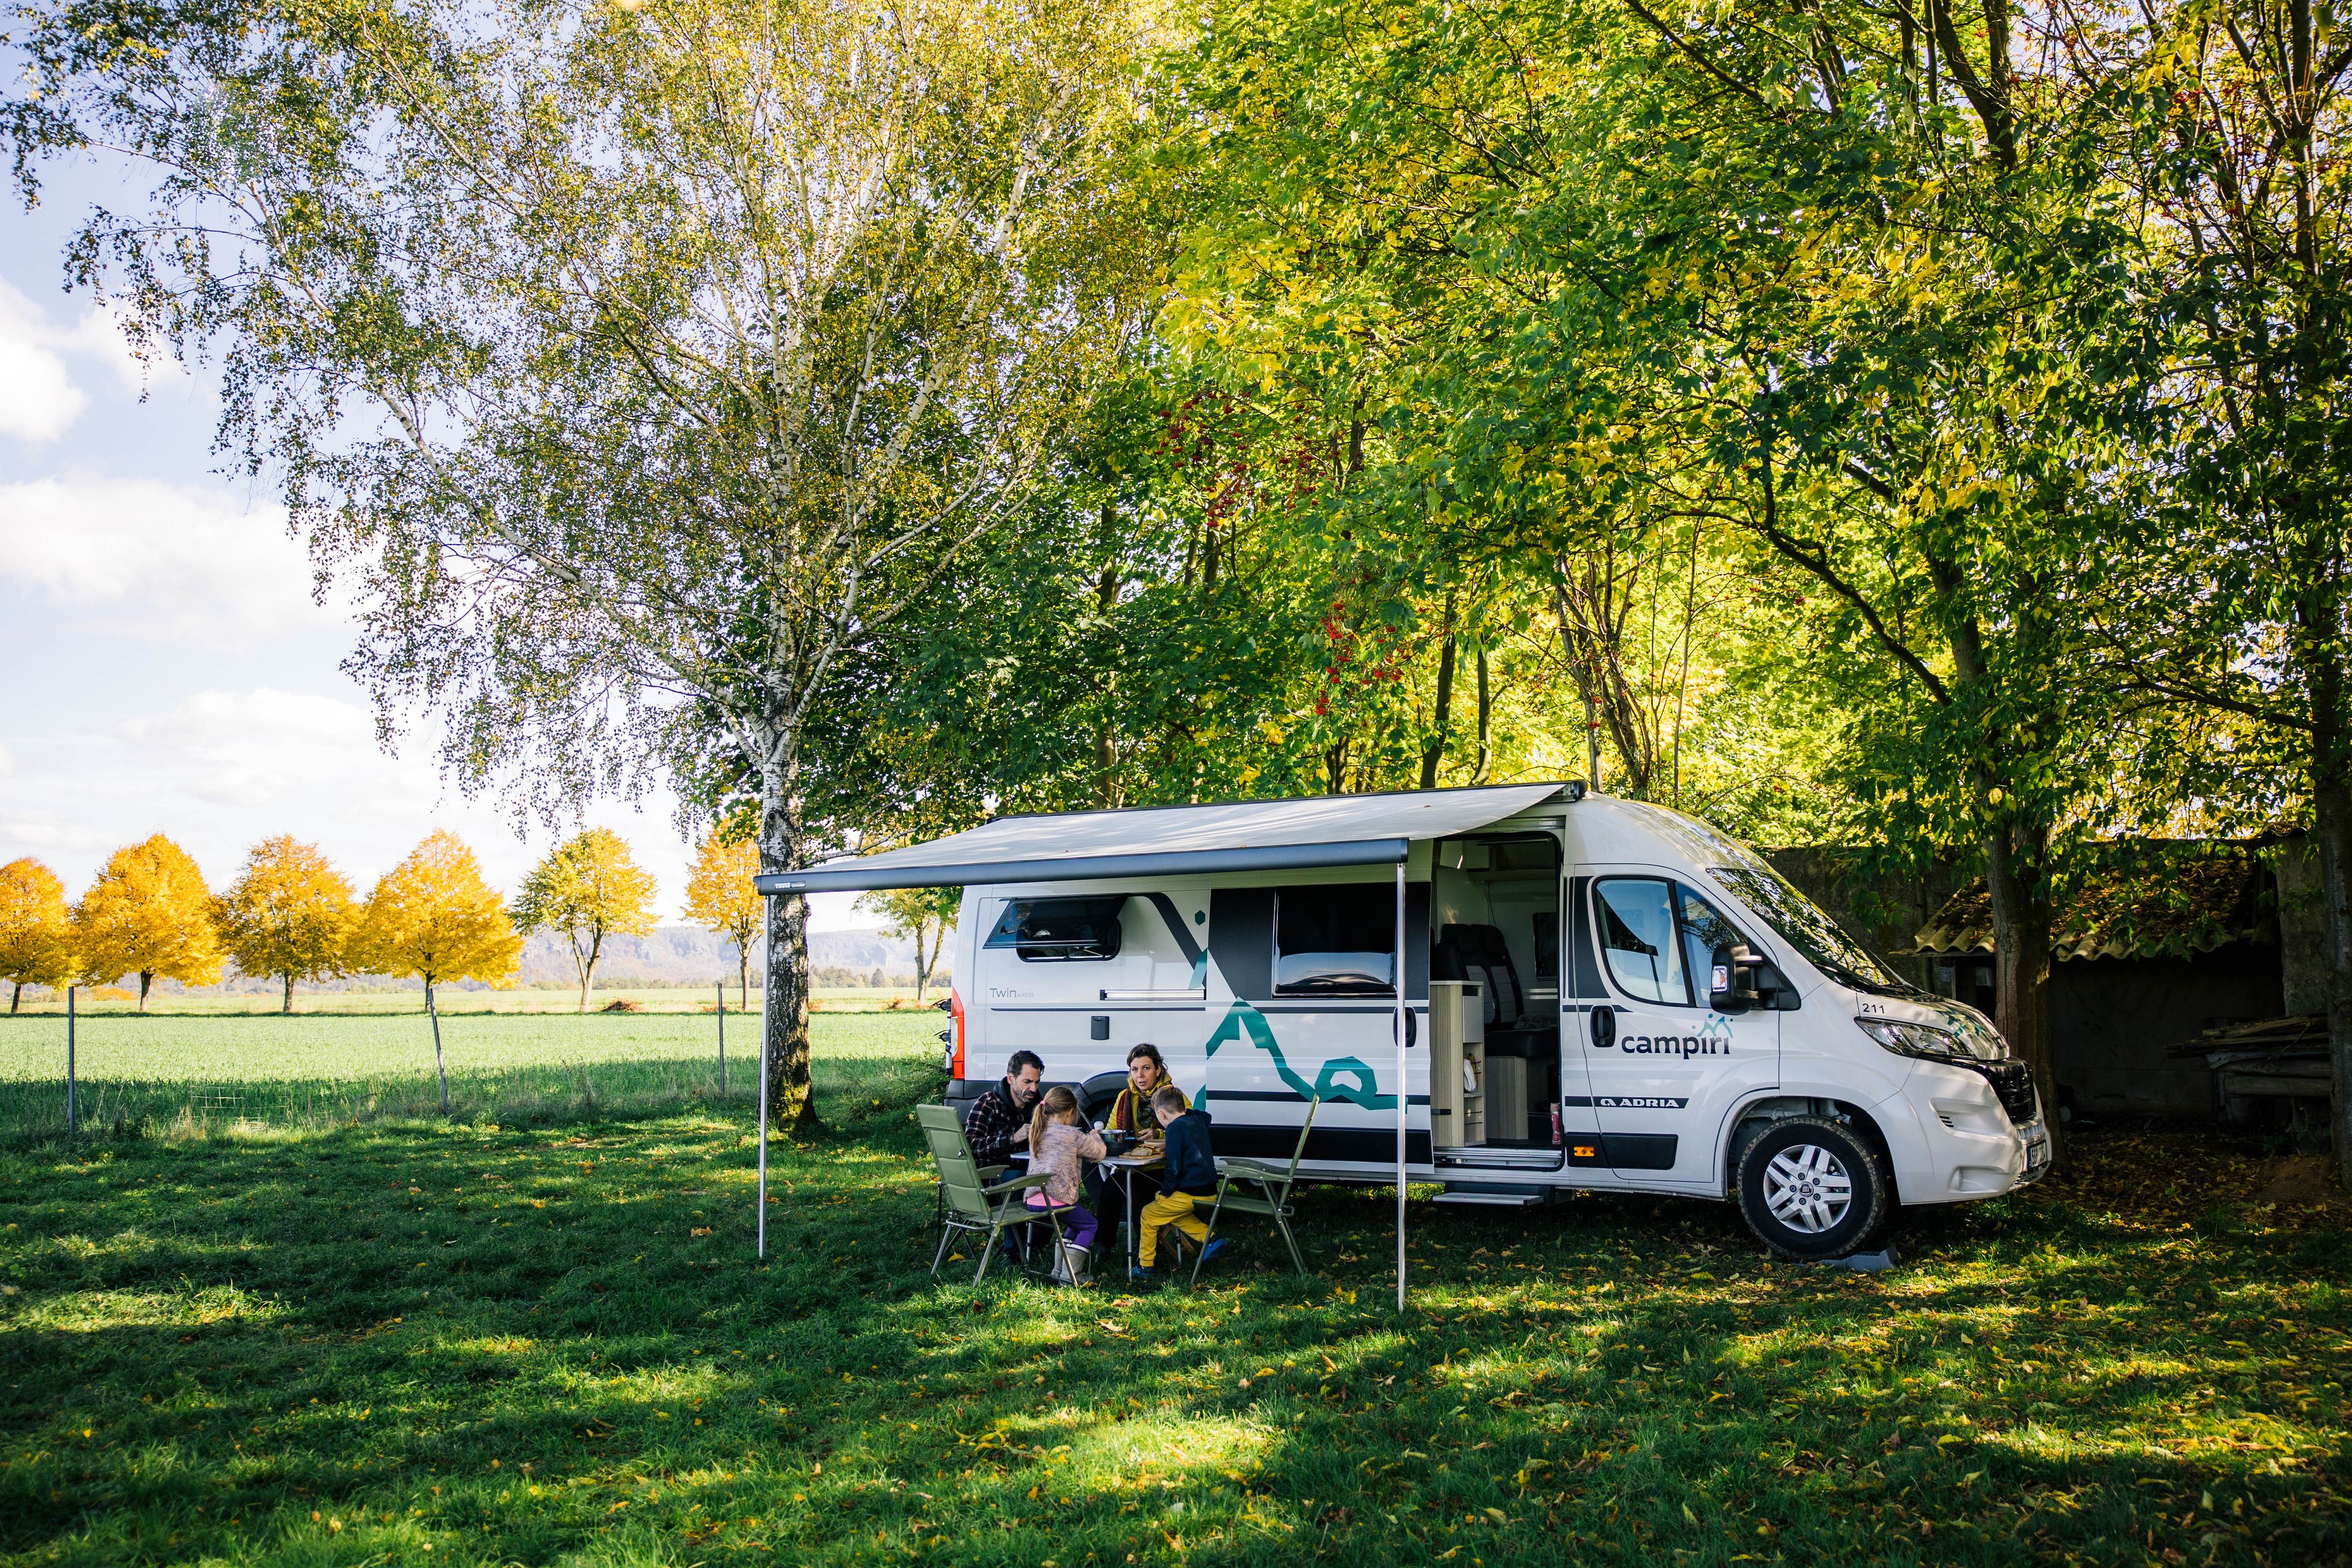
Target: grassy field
x,y
197,1073
421,1341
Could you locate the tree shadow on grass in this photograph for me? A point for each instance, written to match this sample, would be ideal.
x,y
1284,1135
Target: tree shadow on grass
x,y
537,1343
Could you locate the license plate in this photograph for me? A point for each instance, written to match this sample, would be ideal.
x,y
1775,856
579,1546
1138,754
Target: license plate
x,y
2037,1155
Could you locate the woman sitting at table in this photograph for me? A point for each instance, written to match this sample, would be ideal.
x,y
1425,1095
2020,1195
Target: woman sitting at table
x,y
1130,1113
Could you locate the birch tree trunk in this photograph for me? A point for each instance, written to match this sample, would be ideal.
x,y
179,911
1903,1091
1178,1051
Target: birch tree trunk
x,y
792,1099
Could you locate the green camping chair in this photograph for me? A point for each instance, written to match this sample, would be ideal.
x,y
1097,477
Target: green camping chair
x,y
966,1191
1272,1200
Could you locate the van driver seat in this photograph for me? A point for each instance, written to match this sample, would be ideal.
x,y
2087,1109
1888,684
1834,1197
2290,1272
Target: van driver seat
x,y
1480,954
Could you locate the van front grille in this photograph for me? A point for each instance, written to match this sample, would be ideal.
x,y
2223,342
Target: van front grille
x,y
2013,1082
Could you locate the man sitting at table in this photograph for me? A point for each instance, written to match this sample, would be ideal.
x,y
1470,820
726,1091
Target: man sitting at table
x,y
1189,1177
998,1127
1146,1074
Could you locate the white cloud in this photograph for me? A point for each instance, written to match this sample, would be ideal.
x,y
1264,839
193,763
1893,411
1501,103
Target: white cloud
x,y
159,562
221,770
38,400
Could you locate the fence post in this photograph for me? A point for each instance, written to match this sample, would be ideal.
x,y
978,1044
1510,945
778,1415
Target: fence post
x,y
70,1121
723,1039
438,1065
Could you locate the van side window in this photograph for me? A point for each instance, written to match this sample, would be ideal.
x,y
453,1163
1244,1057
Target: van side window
x,y
1637,938
1060,930
1334,942
1703,931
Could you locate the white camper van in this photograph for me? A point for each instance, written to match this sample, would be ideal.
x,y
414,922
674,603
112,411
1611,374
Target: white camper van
x,y
1595,994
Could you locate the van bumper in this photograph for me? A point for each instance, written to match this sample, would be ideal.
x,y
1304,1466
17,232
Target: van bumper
x,y
1952,1142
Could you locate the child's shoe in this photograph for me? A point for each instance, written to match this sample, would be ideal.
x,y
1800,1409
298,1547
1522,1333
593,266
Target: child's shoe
x,y
1209,1253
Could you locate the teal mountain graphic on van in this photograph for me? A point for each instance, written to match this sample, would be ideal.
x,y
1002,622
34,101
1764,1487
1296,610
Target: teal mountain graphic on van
x,y
1331,1083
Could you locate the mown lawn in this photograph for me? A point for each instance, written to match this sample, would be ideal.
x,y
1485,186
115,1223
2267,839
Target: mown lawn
x,y
423,1342
196,1073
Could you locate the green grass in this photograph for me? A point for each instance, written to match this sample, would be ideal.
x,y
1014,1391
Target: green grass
x,y
193,1073
552,1345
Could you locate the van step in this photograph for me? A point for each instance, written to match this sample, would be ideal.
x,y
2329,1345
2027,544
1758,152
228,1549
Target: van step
x,y
1492,1197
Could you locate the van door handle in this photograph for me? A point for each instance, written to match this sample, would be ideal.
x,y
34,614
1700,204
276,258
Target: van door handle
x,y
1605,1027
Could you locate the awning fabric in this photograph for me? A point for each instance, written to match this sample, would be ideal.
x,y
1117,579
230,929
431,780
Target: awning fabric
x,y
1176,840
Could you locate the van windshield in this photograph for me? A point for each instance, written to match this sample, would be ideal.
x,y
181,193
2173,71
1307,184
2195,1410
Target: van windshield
x,y
1807,927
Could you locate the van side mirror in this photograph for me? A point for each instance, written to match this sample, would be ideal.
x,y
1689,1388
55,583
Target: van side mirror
x,y
1732,979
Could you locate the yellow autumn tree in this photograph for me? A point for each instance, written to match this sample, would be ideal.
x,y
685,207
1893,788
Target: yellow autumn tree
x,y
719,897
588,888
36,933
288,914
148,914
433,916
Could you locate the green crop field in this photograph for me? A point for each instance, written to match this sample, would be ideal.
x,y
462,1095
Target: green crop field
x,y
401,1339
211,1004
200,1071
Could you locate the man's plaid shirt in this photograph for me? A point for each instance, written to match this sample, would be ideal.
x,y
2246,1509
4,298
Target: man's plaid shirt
x,y
989,1127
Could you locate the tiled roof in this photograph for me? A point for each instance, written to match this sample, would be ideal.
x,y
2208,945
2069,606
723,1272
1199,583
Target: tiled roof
x,y
2175,901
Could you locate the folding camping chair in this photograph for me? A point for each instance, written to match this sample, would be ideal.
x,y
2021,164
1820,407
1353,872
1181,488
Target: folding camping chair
x,y
1273,1201
965,1192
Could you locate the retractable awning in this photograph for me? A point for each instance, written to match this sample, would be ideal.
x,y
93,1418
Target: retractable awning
x,y
1178,840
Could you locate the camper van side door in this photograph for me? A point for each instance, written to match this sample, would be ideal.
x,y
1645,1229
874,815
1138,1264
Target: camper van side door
x,y
1664,1067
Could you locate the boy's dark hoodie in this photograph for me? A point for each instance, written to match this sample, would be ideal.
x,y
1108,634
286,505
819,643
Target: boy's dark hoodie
x,y
1191,1166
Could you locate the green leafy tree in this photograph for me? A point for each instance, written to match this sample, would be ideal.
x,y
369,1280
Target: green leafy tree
x,y
923,916
588,888
638,365
1613,285
2224,123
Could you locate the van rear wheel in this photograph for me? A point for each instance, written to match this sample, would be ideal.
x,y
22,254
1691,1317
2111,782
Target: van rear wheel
x,y
1812,1188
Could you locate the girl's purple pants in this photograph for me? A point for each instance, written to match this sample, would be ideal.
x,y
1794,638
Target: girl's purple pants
x,y
1078,1225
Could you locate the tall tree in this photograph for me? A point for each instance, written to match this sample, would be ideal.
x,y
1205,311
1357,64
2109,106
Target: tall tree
x,y
35,940
720,897
433,916
635,364
289,913
588,888
923,916
1616,274
148,913
2225,123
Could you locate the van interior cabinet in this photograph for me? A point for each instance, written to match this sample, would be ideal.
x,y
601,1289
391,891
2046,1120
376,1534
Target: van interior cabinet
x,y
1457,1064
1506,1094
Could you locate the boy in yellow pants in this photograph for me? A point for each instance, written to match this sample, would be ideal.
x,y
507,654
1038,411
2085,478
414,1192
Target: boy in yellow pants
x,y
1188,1177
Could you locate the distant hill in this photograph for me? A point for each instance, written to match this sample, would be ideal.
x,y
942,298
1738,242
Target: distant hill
x,y
683,954
667,955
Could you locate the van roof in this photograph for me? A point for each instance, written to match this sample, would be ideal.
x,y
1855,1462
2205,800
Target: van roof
x,y
1176,840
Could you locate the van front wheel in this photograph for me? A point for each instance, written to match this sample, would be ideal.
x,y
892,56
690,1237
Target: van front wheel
x,y
1810,1188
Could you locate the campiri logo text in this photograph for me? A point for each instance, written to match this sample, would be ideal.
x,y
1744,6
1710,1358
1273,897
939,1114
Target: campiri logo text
x,y
1714,1039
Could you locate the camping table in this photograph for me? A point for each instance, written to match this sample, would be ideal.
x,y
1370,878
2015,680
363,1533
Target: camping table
x,y
1133,1165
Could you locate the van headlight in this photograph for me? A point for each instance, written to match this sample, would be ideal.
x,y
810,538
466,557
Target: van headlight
x,y
1906,1039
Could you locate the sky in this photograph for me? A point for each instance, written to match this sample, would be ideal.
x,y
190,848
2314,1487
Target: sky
x,y
166,665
